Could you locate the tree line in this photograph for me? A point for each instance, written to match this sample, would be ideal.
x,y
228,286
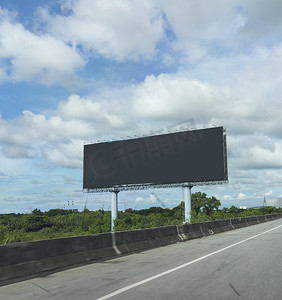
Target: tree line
x,y
63,223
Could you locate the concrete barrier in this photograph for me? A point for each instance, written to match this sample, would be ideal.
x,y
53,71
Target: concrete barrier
x,y
214,227
247,221
261,219
252,220
137,240
239,223
277,216
190,231
37,250
22,259
28,259
269,217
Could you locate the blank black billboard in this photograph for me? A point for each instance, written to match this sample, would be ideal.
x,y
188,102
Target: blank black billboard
x,y
188,156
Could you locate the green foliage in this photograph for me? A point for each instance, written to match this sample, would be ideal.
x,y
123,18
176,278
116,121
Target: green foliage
x,y
55,212
37,212
147,218
201,203
233,209
34,222
63,223
3,231
52,224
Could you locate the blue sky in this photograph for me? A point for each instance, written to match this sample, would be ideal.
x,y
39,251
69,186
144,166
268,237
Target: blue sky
x,y
77,71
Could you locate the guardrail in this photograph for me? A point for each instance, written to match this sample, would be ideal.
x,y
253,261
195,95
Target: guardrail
x,y
24,260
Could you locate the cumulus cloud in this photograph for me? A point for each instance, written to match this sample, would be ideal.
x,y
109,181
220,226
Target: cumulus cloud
x,y
268,193
172,97
263,20
200,29
272,178
26,56
60,138
246,102
161,100
255,152
197,25
118,30
242,196
227,197
139,200
226,71
66,154
192,19
123,30
91,111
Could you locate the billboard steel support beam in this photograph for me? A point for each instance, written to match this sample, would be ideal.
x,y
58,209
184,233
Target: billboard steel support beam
x,y
187,202
114,207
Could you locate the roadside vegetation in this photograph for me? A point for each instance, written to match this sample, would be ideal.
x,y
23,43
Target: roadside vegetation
x,y
63,223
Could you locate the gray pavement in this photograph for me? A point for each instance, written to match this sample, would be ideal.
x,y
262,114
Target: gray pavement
x,y
241,264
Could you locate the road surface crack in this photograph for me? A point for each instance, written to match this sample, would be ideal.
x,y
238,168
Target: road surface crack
x,y
233,288
40,287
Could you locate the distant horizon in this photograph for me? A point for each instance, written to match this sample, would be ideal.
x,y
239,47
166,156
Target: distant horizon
x,y
106,206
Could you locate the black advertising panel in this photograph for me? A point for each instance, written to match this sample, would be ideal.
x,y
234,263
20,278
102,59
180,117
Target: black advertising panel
x,y
188,156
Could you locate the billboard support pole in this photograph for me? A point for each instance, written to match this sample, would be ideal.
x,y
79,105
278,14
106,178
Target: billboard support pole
x,y
114,207
187,201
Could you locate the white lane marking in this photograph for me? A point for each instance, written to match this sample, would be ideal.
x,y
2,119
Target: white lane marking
x,y
180,267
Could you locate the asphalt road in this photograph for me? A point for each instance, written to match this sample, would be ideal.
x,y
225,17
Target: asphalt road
x,y
241,264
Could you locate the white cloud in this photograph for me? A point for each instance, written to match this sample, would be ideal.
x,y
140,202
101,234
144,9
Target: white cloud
x,y
176,98
199,27
255,152
203,29
66,154
152,199
273,178
242,196
227,57
132,30
161,100
227,198
26,56
91,111
263,19
200,20
139,200
268,193
60,138
247,102
118,30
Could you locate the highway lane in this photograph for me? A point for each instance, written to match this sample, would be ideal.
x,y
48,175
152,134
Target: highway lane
x,y
240,264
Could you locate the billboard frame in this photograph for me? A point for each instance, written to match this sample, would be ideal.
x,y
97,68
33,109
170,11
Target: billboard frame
x,y
143,186
187,186
152,186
